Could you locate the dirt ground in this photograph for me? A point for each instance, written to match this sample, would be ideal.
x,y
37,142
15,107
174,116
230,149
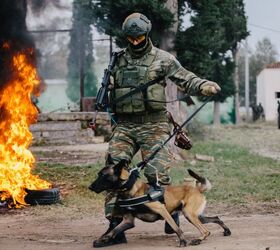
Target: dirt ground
x,y
254,226
37,230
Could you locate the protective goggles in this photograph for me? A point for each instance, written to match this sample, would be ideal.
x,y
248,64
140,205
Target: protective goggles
x,y
137,39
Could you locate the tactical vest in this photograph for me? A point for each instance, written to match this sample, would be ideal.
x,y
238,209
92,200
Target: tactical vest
x,y
130,74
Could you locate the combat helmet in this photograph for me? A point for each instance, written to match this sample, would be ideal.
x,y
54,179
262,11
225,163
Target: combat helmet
x,y
136,25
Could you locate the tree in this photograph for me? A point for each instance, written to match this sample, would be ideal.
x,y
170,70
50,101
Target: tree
x,y
208,46
109,15
81,52
264,54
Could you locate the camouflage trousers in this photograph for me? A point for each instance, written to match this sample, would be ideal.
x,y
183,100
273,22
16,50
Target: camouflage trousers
x,y
125,142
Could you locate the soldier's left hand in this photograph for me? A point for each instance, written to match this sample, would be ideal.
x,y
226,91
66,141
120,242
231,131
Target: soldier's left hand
x,y
209,88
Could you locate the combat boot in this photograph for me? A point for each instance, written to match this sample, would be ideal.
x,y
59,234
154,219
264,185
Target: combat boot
x,y
119,238
167,228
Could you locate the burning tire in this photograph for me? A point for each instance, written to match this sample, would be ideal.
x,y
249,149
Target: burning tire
x,y
42,197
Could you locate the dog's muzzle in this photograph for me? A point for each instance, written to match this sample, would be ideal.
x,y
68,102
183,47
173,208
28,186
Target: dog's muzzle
x,y
95,187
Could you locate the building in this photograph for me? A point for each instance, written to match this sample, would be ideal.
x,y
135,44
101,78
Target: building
x,y
268,90
54,97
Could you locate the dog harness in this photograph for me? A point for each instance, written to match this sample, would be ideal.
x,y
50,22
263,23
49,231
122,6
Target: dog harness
x,y
155,193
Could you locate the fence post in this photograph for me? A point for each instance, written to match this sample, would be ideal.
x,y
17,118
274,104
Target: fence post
x,y
81,64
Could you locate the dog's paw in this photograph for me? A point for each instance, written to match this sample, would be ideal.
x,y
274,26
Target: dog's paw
x,y
227,232
105,238
183,243
195,242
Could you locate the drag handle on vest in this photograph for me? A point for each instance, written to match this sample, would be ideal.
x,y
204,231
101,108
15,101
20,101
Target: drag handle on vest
x,y
102,95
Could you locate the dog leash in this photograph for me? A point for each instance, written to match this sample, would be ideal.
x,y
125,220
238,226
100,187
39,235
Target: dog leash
x,y
134,172
143,163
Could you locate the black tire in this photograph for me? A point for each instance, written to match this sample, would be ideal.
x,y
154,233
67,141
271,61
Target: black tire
x,y
42,197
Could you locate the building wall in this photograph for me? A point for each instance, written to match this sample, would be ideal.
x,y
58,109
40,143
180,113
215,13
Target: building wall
x,y
268,84
54,97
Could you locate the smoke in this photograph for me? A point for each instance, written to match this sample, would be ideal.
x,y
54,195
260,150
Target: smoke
x,y
39,5
13,25
14,37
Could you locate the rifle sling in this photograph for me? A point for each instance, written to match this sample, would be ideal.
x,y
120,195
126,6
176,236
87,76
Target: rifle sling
x,y
138,89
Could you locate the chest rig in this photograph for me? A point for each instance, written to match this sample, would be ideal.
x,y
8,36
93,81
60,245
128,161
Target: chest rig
x,y
132,73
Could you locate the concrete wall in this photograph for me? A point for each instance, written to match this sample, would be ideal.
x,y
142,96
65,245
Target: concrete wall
x,y
268,84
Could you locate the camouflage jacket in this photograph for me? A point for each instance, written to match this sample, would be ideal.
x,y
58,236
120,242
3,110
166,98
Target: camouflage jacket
x,y
131,72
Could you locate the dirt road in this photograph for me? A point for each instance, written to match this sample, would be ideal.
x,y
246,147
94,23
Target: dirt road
x,y
25,231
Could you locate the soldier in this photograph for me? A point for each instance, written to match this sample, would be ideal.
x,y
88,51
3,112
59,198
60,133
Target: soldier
x,y
143,125
261,111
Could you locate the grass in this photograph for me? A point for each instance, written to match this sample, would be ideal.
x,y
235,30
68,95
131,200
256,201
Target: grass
x,y
73,183
237,176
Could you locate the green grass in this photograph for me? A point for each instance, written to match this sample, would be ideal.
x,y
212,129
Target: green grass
x,y
73,182
237,176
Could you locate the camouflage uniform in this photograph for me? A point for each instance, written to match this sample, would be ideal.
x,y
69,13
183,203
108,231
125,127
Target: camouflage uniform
x,y
144,125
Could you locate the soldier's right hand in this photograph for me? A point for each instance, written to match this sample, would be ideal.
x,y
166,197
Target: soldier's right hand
x,y
209,88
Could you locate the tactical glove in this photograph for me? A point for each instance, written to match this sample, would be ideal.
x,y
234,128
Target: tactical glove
x,y
209,88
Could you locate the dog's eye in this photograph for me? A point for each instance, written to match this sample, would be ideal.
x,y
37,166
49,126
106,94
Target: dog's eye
x,y
100,174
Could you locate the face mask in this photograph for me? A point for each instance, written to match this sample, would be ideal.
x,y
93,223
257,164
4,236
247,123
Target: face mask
x,y
139,45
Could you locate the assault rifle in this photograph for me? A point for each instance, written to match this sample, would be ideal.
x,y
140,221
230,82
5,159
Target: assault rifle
x,y
102,95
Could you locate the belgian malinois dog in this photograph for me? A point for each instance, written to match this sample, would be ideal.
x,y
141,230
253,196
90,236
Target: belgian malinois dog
x,y
187,198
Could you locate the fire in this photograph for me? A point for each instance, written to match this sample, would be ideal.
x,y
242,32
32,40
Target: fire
x,y
16,114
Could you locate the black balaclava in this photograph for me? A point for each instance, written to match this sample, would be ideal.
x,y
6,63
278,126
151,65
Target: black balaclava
x,y
140,49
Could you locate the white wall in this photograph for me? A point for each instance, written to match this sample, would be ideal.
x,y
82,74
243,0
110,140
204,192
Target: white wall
x,y
268,83
54,97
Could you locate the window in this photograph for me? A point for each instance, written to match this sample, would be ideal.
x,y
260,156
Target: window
x,y
277,95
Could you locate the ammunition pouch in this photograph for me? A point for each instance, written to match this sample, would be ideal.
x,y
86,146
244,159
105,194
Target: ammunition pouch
x,y
130,105
156,93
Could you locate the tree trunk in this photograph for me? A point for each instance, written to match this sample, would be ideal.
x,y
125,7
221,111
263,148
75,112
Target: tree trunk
x,y
167,43
236,82
217,113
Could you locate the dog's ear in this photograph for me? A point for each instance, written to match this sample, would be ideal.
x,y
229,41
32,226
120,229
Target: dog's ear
x,y
109,159
119,166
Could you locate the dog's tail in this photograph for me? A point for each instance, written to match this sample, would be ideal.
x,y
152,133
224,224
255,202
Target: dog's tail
x,y
202,183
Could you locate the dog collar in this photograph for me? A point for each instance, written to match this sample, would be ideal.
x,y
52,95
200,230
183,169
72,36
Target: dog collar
x,y
134,175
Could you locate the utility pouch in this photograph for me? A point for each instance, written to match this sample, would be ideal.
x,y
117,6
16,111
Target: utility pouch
x,y
156,97
181,138
133,104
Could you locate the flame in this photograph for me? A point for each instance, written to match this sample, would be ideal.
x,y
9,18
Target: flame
x,y
16,114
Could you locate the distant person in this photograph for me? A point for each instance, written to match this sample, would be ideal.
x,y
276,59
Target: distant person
x,y
255,112
261,111
258,111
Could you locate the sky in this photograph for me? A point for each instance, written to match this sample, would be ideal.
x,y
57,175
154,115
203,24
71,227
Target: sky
x,y
263,21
